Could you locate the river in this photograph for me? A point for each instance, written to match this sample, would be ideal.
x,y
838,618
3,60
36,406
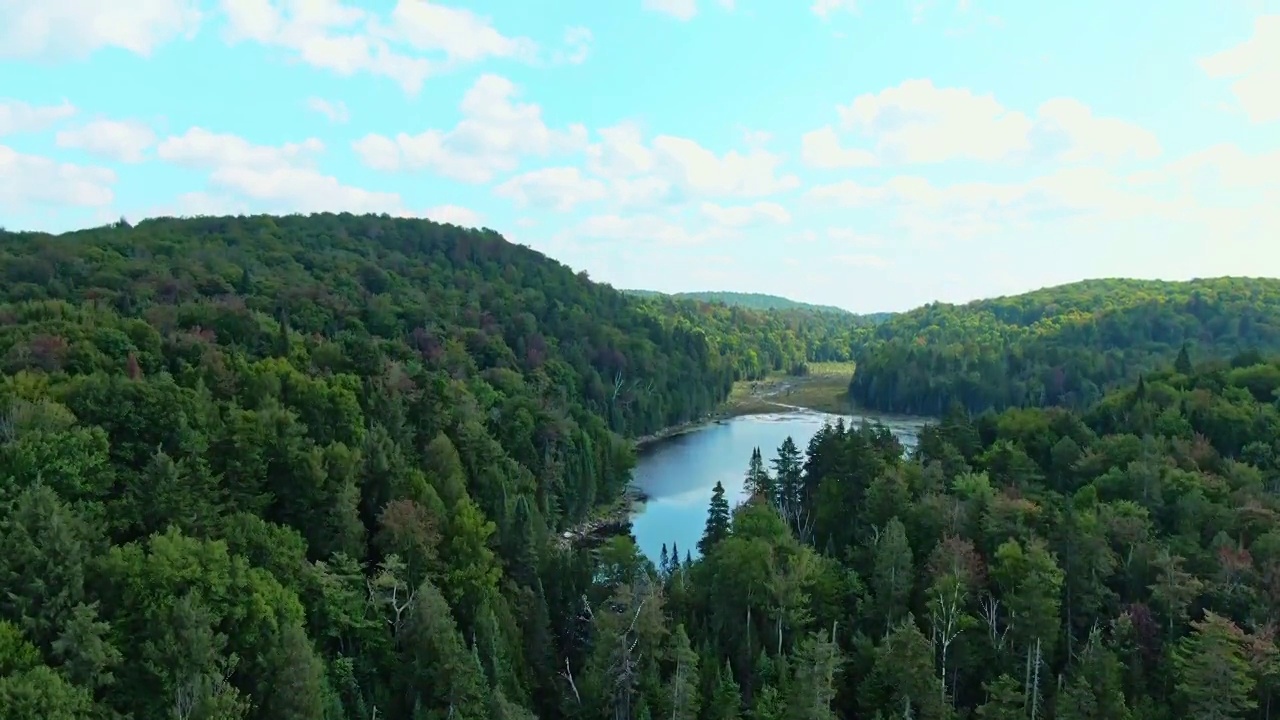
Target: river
x,y
677,474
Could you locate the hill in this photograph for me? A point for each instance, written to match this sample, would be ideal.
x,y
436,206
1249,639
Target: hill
x,y
261,424
1063,345
751,301
308,468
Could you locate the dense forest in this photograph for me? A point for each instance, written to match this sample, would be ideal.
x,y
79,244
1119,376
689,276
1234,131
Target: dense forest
x,y
751,301
308,466
1060,346
314,467
1113,564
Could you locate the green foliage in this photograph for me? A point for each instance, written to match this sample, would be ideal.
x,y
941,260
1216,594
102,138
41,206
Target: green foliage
x,y
320,468
750,301
1064,345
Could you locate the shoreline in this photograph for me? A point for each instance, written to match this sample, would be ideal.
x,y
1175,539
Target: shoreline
x,y
615,518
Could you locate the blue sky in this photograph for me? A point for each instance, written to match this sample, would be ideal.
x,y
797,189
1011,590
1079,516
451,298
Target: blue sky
x,y
876,155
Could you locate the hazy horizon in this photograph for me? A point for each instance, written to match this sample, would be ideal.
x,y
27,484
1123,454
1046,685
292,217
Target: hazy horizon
x,y
873,155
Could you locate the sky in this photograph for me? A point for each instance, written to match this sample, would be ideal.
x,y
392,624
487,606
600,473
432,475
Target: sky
x,y
871,154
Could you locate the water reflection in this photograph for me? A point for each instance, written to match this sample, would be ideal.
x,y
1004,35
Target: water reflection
x,y
679,473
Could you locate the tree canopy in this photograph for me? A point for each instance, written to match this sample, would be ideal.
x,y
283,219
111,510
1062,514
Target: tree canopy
x,y
1063,345
314,467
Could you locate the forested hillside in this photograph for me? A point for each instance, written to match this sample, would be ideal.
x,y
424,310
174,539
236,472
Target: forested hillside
x,y
298,468
1117,564
751,301
760,342
310,464
1064,345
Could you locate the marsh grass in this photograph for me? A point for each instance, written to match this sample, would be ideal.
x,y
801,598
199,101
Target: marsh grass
x,y
825,389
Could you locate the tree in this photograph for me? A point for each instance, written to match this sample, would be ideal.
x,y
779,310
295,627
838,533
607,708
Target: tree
x,y
1095,689
1213,678
1183,362
717,528
893,576
683,684
758,483
789,484
813,686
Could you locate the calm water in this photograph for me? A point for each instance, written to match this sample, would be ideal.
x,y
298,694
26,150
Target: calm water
x,y
678,474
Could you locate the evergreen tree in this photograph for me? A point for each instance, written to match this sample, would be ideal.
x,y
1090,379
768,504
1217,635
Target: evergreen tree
x,y
1183,363
717,521
726,696
758,482
1095,689
788,483
1213,678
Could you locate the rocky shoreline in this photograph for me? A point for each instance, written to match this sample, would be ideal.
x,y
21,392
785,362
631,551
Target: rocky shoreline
x,y
610,522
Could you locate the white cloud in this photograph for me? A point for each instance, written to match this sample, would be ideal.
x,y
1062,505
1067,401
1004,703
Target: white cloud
x,y
826,8
917,122
678,9
756,138
461,35
1091,137
621,152
861,260
1255,65
1222,191
577,42
670,168
494,134
202,148
743,215
753,174
336,111
1222,175
821,149
558,188
281,178
455,215
20,117
194,204
644,191
848,237
417,39
646,229
123,141
973,209
71,29
33,180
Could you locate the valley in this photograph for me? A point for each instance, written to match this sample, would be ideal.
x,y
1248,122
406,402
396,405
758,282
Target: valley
x,y
361,459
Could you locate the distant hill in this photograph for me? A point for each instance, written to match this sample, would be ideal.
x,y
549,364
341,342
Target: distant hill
x,y
755,301
1063,345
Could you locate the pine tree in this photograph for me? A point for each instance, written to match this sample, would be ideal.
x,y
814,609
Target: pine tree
x,y
758,483
1095,689
1005,701
1183,363
717,521
787,483
682,688
1213,677
726,696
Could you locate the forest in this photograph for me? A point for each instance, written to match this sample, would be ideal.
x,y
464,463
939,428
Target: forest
x,y
278,468
304,467
1061,346
754,301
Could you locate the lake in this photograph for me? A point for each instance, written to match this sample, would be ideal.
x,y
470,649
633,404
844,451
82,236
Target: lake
x,y
678,473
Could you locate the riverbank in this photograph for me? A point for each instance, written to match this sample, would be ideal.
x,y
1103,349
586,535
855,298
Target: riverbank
x,y
605,521
825,389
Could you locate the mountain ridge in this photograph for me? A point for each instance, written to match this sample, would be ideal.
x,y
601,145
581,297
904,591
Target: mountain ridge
x,y
754,301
